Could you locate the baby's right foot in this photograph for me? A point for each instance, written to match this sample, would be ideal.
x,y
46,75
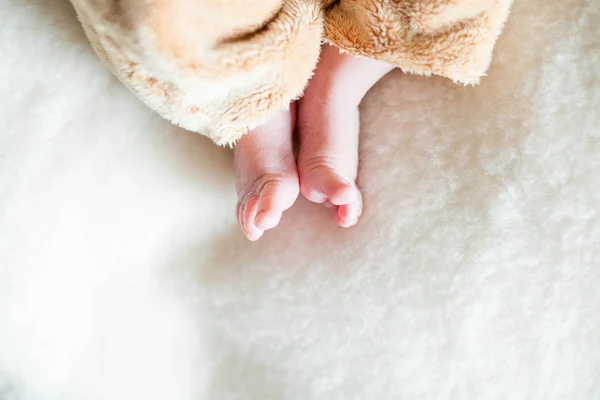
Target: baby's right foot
x,y
266,175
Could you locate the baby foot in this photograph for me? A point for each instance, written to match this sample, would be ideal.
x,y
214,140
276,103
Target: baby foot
x,y
328,159
266,175
328,127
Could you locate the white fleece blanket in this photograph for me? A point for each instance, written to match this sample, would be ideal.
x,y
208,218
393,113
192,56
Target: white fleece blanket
x,y
473,274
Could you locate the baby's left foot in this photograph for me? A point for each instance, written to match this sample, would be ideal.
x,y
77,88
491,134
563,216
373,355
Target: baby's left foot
x,y
328,158
328,126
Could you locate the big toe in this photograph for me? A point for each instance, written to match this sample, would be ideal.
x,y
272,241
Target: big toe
x,y
325,185
276,196
262,207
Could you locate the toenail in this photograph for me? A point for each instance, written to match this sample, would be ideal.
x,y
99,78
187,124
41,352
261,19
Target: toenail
x,y
254,238
350,222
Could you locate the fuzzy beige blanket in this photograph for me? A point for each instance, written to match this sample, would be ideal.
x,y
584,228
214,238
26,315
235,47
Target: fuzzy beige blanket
x,y
222,67
473,273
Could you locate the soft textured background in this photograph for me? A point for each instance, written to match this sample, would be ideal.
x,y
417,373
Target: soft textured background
x,y
474,272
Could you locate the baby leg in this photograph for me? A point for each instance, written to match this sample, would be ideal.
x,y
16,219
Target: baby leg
x,y
266,175
328,127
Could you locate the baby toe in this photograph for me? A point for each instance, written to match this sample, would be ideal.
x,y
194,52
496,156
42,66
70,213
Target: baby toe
x,y
248,212
267,219
348,214
340,192
324,185
311,193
